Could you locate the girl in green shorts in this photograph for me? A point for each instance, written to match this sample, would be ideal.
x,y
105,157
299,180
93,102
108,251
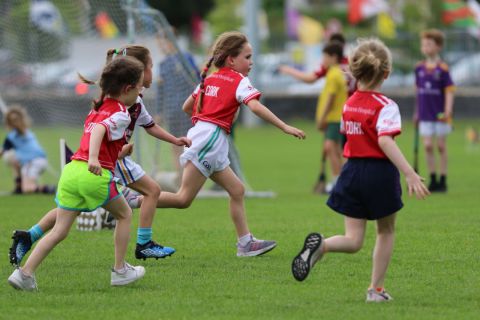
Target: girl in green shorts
x,y
87,182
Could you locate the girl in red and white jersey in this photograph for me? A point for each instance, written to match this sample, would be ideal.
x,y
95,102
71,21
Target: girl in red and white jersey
x,y
127,172
369,185
87,181
213,107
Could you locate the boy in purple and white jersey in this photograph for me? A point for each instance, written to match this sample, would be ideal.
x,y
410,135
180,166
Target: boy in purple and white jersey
x,y
435,91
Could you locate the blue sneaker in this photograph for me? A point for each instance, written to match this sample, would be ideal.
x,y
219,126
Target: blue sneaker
x,y
152,249
20,246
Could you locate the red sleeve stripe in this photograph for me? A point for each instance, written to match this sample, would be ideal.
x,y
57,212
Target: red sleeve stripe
x,y
390,133
251,97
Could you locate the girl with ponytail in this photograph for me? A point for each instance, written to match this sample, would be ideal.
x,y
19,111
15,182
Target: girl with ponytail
x,y
369,185
213,107
126,170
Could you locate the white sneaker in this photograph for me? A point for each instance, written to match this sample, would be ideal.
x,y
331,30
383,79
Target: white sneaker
x,y
127,275
20,281
375,296
132,197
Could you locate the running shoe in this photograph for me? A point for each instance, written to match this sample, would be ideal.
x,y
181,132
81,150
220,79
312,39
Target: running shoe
x,y
311,252
152,249
376,296
255,247
22,242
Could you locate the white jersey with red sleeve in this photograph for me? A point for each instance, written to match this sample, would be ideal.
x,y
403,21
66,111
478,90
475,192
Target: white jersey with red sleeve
x,y
225,90
138,116
114,116
366,116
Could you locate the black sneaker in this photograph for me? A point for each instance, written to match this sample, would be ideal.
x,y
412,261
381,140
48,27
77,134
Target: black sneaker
x,y
152,249
20,246
312,252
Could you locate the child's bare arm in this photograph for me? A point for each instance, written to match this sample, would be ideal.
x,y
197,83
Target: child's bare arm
x,y
448,111
188,105
96,137
297,74
414,181
261,111
162,134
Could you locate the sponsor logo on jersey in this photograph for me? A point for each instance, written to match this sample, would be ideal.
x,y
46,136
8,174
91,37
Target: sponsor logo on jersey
x,y
353,128
212,91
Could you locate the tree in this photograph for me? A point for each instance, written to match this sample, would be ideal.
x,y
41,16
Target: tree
x,y
180,12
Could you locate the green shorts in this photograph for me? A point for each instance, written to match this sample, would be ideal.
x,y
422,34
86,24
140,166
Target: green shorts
x,y
333,132
81,190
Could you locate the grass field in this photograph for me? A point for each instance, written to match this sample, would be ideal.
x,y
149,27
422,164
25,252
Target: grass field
x,y
434,272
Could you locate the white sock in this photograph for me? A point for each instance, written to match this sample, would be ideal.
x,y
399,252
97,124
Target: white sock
x,y
244,240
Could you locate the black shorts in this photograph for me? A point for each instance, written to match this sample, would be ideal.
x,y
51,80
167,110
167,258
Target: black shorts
x,y
367,189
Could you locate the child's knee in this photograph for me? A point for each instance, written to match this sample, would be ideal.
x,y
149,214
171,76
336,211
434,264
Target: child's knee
x,y
123,214
184,203
357,245
428,147
238,192
153,191
442,148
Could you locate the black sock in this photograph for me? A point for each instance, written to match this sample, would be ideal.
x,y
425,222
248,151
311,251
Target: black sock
x,y
433,178
443,180
18,185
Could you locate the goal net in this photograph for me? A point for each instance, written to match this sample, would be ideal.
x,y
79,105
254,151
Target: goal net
x,y
44,43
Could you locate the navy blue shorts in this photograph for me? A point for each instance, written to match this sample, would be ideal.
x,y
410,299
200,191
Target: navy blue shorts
x,y
367,189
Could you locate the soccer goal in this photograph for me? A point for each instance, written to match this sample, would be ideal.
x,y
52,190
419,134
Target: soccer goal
x,y
44,44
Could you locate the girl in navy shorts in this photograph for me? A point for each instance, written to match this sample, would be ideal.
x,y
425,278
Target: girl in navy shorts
x,y
369,185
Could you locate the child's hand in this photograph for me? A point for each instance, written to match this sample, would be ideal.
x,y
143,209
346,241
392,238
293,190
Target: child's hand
x,y
183,141
415,185
126,151
322,125
94,166
294,132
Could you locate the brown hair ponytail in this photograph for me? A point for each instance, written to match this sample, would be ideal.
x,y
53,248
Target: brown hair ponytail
x,y
121,72
202,84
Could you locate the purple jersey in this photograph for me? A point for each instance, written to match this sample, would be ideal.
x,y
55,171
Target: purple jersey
x,y
432,84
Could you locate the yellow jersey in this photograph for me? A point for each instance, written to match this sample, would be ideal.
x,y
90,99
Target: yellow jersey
x,y
335,84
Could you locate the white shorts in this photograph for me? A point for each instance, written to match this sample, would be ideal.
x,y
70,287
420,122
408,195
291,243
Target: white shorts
x,y
34,168
209,150
128,171
434,128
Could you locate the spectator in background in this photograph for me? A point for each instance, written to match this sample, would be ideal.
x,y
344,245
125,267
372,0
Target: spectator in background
x,y
22,151
435,91
333,140
174,86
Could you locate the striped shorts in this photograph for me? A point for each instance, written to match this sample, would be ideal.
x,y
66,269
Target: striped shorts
x,y
209,150
128,171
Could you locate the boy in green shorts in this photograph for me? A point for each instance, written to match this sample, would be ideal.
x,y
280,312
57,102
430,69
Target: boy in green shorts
x,y
330,106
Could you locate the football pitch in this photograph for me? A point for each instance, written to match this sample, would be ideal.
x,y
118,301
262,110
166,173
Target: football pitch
x,y
434,273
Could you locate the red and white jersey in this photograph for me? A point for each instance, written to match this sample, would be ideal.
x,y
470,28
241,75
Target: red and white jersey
x,y
366,116
114,116
225,91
